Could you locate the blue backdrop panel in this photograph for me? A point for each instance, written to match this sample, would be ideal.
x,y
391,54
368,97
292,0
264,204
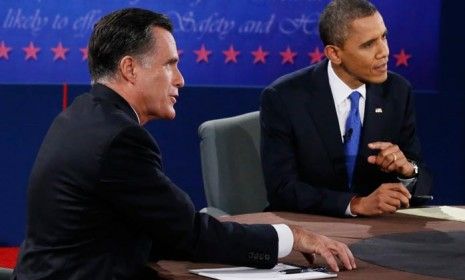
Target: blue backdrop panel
x,y
26,110
44,41
26,114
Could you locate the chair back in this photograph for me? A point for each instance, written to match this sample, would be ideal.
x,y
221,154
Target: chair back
x,y
5,273
231,167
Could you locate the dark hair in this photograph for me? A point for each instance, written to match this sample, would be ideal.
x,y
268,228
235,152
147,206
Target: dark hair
x,y
120,33
337,17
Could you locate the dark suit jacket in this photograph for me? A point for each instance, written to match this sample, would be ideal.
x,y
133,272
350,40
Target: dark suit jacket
x,y
302,150
100,207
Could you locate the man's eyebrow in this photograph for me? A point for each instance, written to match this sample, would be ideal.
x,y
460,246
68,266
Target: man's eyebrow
x,y
367,43
374,39
172,60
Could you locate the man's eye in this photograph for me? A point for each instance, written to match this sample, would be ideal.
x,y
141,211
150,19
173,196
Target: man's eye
x,y
367,45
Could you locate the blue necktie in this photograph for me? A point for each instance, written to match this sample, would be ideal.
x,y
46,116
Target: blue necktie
x,y
352,135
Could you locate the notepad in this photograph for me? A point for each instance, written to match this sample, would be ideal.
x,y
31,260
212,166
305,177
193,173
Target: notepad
x,y
240,273
438,212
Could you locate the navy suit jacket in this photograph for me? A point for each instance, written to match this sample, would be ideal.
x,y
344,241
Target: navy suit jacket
x,y
100,206
302,149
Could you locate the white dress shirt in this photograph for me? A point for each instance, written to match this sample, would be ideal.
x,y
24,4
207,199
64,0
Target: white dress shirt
x,y
341,92
286,240
135,112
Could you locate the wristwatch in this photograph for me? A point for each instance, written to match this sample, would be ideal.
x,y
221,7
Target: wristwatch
x,y
415,168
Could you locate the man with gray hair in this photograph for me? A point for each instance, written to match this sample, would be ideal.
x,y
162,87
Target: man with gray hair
x,y
339,137
99,204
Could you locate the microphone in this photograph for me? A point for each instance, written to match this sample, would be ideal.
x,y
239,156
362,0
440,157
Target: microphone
x,y
348,135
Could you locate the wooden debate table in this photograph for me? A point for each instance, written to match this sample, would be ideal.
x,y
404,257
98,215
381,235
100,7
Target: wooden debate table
x,y
347,230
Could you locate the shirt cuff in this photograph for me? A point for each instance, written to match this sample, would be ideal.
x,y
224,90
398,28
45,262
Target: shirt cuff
x,y
285,240
348,212
408,183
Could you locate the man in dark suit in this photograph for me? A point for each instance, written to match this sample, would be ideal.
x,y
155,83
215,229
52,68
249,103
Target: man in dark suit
x,y
323,152
99,204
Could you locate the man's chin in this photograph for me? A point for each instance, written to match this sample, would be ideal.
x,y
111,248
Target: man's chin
x,y
376,80
171,115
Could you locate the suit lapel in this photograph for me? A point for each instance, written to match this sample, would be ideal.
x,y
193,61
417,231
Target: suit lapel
x,y
323,112
321,107
375,119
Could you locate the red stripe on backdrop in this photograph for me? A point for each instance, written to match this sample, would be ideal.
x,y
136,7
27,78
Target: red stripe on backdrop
x,y
65,96
8,256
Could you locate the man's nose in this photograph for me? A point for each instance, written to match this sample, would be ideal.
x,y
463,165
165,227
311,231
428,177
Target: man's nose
x,y
383,50
179,79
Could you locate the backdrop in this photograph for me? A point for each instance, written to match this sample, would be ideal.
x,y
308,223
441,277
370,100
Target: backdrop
x,y
221,42
229,50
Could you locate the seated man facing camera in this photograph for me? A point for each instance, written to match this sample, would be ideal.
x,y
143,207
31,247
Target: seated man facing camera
x,y
339,137
99,204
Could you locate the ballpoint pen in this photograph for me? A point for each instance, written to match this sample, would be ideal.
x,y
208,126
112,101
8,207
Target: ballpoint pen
x,y
294,270
304,269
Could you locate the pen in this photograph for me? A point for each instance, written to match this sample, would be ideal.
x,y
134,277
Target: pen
x,y
303,269
425,197
294,270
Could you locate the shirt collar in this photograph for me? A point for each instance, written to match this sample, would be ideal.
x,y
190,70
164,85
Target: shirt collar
x,y
339,89
135,112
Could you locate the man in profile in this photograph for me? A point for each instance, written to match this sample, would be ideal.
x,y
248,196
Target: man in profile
x,y
99,204
339,137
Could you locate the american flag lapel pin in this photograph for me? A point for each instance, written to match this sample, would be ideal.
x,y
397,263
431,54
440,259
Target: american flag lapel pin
x,y
378,111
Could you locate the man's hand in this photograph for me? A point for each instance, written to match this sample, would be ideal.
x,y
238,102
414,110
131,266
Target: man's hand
x,y
309,243
390,159
387,198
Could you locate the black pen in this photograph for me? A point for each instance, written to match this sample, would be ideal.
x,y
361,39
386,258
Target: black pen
x,y
294,270
304,269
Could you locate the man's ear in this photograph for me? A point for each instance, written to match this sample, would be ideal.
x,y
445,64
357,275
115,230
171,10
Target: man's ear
x,y
127,67
332,53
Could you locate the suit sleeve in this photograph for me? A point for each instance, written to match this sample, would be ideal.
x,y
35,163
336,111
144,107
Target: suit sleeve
x,y
286,191
133,183
410,146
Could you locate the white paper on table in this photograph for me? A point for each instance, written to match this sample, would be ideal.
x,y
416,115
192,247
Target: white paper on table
x,y
240,273
438,212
